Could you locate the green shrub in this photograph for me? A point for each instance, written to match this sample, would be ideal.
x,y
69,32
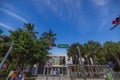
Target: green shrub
x,y
3,74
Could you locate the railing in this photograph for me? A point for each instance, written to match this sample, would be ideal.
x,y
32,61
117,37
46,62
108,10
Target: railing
x,y
100,75
116,74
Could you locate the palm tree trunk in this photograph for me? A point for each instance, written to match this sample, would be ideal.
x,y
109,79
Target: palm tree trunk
x,y
117,59
89,68
96,67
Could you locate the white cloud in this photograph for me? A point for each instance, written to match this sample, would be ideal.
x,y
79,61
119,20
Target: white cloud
x,y
64,8
100,2
14,15
5,26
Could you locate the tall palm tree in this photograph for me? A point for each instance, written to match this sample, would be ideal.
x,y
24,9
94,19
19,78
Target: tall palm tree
x,y
49,36
30,29
102,56
72,51
113,48
90,50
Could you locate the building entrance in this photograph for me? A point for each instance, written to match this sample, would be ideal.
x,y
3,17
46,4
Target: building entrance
x,y
55,70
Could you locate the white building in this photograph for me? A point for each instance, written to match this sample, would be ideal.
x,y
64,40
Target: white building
x,y
61,64
56,63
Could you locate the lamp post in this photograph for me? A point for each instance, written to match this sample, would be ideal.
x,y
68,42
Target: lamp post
x,y
80,59
7,54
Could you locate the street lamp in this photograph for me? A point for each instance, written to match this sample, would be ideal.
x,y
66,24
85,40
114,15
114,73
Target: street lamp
x,y
7,54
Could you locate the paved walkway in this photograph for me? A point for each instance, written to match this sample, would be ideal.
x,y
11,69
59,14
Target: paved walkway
x,y
63,77
59,78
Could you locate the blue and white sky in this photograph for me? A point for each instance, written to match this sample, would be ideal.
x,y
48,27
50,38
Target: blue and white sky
x,y
72,20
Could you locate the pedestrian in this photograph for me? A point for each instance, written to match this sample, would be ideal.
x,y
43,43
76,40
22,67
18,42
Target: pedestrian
x,y
13,76
20,76
105,77
23,77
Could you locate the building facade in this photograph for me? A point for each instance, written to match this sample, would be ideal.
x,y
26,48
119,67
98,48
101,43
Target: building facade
x,y
61,64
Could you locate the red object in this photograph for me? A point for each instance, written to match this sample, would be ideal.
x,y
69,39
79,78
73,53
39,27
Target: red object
x,y
6,38
72,46
52,45
115,22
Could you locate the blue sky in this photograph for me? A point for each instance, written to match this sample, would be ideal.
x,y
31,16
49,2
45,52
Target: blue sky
x,y
72,20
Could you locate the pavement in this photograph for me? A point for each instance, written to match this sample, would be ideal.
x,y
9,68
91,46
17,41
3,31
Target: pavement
x,y
66,78
60,78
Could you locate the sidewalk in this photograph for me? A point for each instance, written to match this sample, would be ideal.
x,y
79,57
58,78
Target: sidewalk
x,y
40,77
60,78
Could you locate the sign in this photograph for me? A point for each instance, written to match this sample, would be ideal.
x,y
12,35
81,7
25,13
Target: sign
x,y
63,45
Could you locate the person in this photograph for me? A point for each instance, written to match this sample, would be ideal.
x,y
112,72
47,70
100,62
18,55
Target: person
x,y
20,76
105,77
108,75
13,76
23,78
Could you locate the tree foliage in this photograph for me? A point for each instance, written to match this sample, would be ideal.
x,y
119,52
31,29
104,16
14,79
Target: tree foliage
x,y
30,49
27,49
101,53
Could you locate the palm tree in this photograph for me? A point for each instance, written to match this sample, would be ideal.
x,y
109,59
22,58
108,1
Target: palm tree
x,y
90,50
113,48
72,51
30,29
102,56
49,37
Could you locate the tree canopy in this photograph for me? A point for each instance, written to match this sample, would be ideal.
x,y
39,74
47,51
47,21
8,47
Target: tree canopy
x,y
27,49
101,53
30,49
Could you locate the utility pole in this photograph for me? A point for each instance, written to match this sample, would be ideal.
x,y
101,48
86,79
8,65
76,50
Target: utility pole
x,y
7,54
80,59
